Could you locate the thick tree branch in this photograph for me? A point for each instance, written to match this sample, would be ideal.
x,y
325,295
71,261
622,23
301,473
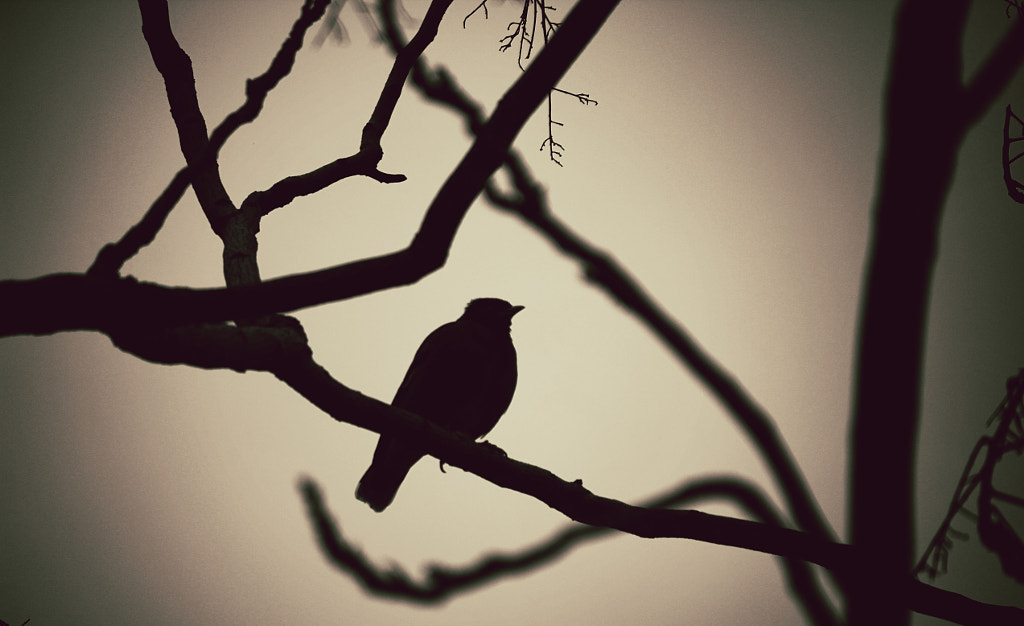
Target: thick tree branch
x,y
252,347
920,148
995,74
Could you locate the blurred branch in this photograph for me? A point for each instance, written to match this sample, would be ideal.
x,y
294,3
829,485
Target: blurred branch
x,y
1014,187
993,529
442,582
994,74
602,270
919,158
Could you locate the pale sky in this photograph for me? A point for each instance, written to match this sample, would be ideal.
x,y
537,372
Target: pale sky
x,y
729,165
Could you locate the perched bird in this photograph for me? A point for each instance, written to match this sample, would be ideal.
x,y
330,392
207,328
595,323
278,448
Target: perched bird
x,y
462,379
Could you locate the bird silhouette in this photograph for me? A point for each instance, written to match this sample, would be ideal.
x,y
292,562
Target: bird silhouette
x,y
462,378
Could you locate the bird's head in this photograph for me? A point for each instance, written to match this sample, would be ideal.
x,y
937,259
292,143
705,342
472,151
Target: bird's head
x,y
493,312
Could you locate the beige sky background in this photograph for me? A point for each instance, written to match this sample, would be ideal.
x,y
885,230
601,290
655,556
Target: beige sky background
x,y
729,166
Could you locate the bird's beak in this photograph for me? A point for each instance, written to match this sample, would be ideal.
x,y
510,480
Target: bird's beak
x,y
515,310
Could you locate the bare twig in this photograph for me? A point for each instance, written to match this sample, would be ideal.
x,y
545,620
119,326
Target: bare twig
x,y
527,36
482,5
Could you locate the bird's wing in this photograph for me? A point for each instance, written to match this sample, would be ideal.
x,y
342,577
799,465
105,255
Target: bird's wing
x,y
460,378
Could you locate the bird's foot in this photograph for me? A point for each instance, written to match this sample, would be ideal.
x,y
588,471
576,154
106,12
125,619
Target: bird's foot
x,y
494,448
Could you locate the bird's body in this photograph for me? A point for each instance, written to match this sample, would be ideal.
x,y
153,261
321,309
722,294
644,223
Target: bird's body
x,y
462,378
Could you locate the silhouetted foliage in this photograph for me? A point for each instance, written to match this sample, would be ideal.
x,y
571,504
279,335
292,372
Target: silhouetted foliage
x,y
993,527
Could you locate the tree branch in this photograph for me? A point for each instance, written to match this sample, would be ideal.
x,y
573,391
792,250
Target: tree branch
x,y
404,60
995,73
176,68
920,148
113,256
442,582
39,309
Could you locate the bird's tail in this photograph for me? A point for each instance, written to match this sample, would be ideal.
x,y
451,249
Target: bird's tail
x,y
392,460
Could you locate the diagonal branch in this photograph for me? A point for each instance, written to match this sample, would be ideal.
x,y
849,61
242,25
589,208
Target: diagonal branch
x,y
176,68
404,60
995,73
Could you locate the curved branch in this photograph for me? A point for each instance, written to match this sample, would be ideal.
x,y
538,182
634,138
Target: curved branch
x,y
442,582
